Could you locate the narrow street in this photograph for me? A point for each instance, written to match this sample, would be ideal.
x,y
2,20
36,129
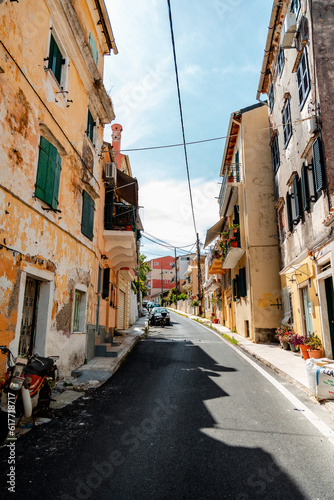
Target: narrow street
x,y
185,417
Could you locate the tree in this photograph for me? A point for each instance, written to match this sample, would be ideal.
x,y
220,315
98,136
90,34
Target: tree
x,y
144,269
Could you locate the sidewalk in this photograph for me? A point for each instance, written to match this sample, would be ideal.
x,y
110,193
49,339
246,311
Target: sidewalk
x,y
99,369
288,364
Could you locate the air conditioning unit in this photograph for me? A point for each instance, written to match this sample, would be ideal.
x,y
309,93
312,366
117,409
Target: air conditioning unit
x,y
312,124
289,30
110,172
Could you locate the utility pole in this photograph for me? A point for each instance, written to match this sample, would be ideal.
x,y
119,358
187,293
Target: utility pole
x,y
175,275
199,276
162,286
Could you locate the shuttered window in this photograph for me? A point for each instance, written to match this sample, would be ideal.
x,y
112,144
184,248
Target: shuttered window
x,y
271,98
287,125
297,212
275,154
289,211
48,173
303,79
90,126
305,187
318,165
106,280
56,60
92,44
280,61
243,284
235,289
87,219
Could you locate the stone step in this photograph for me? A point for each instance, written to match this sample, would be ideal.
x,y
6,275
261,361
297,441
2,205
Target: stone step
x,y
106,351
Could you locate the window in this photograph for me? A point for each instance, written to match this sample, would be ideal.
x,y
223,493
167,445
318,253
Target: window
x,y
56,59
295,7
303,79
106,283
87,219
92,44
48,173
236,289
90,126
156,263
242,280
271,98
280,61
79,309
296,195
289,211
275,154
287,125
318,165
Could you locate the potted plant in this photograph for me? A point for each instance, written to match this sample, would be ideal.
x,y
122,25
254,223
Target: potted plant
x,y
283,335
234,227
314,346
234,243
295,341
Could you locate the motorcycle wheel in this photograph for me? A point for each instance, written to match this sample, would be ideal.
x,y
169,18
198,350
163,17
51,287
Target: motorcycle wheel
x,y
3,427
44,397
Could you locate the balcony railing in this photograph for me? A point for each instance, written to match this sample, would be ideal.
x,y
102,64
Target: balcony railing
x,y
119,217
232,177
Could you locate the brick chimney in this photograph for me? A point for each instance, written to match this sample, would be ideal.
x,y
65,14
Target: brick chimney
x,y
116,142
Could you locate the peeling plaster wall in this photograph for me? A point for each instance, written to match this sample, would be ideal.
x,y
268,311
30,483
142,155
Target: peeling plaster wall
x,y
37,241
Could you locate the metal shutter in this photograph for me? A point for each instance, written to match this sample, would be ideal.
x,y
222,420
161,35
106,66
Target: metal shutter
x,y
121,310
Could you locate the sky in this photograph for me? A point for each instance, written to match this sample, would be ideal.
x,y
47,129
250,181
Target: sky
x,y
219,50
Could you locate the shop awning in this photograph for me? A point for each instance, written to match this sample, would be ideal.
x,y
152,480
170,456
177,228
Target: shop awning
x,y
214,232
127,188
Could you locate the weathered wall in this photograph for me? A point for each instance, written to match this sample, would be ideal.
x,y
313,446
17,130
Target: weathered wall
x,y
323,30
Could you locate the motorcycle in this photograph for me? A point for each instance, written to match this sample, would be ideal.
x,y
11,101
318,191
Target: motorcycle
x,y
25,389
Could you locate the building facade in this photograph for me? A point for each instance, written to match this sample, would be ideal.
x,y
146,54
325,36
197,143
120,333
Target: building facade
x,y
297,79
245,254
53,109
161,278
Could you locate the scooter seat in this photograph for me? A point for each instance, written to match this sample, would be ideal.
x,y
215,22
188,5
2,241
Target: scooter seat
x,y
39,365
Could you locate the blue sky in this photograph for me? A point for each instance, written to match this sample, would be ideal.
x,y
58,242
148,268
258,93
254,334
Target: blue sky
x,y
219,48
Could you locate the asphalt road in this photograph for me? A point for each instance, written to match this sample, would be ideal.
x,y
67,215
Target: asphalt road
x,y
186,417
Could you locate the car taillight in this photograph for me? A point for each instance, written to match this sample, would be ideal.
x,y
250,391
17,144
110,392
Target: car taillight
x,y
16,383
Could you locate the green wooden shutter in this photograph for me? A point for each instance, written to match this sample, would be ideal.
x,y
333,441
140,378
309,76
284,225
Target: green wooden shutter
x,y
87,219
289,211
92,44
296,199
90,126
234,290
106,280
243,284
42,169
318,165
305,188
55,59
48,173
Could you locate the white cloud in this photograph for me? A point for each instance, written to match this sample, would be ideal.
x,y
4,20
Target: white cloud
x,y
167,214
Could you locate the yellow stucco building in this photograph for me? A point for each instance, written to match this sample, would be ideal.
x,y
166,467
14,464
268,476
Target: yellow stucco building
x,y
53,108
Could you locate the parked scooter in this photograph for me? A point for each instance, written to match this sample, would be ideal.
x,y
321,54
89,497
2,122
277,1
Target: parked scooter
x,y
25,390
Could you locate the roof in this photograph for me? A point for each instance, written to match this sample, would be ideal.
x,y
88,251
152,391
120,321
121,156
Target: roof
x,y
106,26
232,134
278,14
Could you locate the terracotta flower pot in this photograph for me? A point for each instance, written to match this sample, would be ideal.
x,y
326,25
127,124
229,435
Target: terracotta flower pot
x,y
216,320
304,351
316,353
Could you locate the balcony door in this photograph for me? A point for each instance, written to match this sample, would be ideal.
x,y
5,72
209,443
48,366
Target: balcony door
x,y
29,316
307,318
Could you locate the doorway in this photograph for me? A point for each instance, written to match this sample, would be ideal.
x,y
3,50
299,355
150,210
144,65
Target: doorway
x,y
308,328
29,317
330,307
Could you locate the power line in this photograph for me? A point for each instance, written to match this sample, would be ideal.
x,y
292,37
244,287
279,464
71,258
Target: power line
x,y
277,125
181,114
172,246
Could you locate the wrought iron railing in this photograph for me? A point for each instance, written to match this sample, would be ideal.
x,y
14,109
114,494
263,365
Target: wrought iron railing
x,y
119,217
232,175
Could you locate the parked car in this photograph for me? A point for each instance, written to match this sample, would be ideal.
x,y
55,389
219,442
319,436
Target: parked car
x,y
157,313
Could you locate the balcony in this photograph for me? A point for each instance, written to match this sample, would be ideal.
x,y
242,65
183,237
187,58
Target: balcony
x,y
228,192
232,253
215,262
119,235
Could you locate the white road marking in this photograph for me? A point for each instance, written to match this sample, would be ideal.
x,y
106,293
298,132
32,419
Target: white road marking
x,y
323,428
